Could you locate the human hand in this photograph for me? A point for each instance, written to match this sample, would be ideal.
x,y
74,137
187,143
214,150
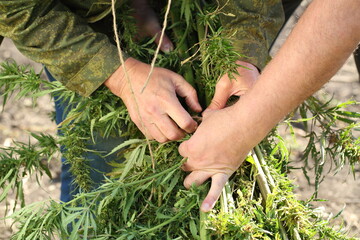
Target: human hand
x,y
215,151
226,87
148,24
156,111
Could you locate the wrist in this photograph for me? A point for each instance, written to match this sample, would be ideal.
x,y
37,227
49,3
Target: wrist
x,y
251,124
117,82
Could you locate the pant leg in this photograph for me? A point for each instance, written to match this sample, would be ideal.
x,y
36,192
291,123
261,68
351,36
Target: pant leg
x,y
99,164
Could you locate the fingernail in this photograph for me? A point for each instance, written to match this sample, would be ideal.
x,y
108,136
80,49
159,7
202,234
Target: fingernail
x,y
205,207
168,48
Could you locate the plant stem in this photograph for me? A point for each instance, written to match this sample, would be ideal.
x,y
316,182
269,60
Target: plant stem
x,y
203,231
261,178
264,166
184,211
263,184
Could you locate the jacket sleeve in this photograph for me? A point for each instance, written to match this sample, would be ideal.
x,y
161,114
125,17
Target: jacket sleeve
x,y
253,24
49,33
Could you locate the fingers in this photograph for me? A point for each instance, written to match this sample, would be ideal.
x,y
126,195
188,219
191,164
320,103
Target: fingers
x,y
153,132
166,44
182,151
148,24
219,100
161,128
169,128
185,90
217,184
181,117
153,29
197,178
218,181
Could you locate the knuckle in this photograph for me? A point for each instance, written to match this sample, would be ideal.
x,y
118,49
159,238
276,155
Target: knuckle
x,y
147,135
188,124
175,135
192,92
212,197
161,139
151,109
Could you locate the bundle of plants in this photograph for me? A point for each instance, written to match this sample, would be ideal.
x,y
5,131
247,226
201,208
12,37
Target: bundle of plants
x,y
144,197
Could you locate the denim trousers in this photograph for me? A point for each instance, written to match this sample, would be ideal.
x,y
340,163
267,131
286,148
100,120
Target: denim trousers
x,y
99,165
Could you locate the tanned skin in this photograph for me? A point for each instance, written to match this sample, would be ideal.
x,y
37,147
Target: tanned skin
x,y
323,39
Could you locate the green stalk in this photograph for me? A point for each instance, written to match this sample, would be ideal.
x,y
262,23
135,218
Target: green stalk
x,y
182,47
283,231
227,203
230,198
203,230
261,178
296,234
200,29
264,166
264,185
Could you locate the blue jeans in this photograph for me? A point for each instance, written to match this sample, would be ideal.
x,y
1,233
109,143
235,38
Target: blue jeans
x,y
98,164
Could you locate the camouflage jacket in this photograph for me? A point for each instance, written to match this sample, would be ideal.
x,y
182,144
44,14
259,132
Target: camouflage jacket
x,y
72,37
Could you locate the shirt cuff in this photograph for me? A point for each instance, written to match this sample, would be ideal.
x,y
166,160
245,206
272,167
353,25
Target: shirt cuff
x,y
96,71
253,51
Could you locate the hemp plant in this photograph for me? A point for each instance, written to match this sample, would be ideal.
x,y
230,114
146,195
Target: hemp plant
x,y
143,197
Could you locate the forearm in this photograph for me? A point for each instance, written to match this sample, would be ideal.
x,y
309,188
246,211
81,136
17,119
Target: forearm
x,y
318,46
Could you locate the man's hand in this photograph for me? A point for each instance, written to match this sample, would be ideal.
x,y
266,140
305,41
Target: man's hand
x,y
212,152
162,117
148,24
227,87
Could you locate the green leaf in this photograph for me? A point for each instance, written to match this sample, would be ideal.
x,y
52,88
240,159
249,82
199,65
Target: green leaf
x,y
193,229
9,173
130,163
348,114
7,189
125,144
107,116
129,202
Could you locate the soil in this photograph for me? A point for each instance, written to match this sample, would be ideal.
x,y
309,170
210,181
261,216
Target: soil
x,y
341,190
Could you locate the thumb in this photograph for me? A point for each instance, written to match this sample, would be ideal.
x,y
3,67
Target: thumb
x,y
183,149
219,100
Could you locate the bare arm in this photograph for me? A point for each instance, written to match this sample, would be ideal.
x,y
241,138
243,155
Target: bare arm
x,y
323,39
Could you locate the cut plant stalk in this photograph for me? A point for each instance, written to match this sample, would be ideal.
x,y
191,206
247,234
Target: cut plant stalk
x,y
262,180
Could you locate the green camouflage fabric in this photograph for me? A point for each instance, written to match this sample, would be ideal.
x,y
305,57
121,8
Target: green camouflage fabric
x,y
72,38
254,27
60,35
